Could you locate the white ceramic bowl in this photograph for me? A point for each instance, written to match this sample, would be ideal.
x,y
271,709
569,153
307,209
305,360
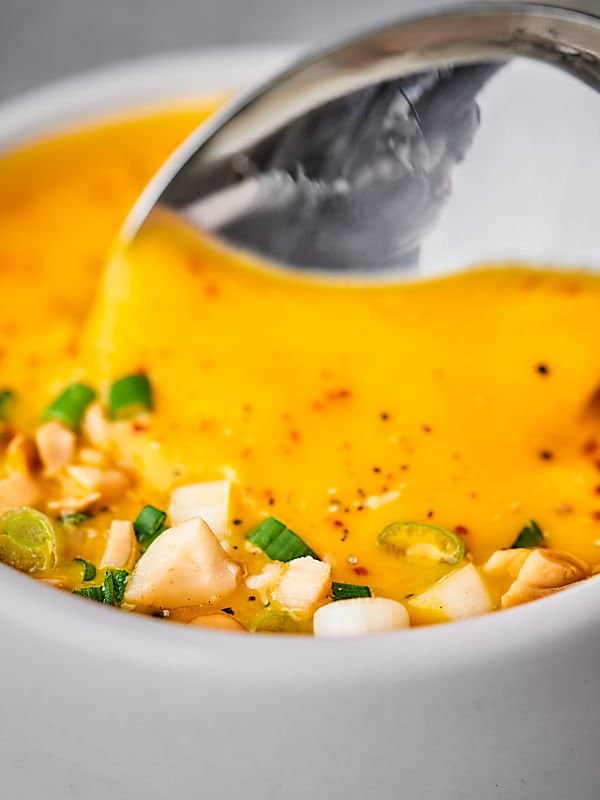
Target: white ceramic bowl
x,y
99,704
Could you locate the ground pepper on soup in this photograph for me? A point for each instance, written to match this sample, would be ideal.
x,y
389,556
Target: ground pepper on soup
x,y
189,435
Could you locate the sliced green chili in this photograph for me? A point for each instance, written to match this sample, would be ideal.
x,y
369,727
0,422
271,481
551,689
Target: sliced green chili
x,y
148,525
27,540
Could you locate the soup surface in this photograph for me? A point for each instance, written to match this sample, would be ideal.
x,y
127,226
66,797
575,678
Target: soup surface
x,y
422,452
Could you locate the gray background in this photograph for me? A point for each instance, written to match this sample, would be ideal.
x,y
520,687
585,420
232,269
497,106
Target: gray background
x,y
41,40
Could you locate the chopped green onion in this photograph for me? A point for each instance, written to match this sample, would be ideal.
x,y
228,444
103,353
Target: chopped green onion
x,y
420,539
278,541
92,593
89,570
115,582
7,399
148,525
27,540
112,590
69,407
76,518
274,622
529,536
129,396
345,591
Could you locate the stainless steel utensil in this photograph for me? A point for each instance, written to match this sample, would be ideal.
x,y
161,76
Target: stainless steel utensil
x,y
404,149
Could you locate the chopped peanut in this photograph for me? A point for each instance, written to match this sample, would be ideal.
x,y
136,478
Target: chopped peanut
x,y
56,446
110,484
121,546
184,566
221,622
18,490
96,426
544,572
21,455
305,582
70,505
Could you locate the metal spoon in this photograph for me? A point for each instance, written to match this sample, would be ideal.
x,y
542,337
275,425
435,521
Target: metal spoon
x,y
346,162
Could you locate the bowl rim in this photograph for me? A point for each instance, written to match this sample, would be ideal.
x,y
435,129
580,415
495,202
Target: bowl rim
x,y
51,618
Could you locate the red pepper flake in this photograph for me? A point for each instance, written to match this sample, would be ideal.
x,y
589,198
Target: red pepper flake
x,y
237,521
589,447
271,501
596,515
376,469
361,492
251,598
461,530
139,427
317,405
597,463
384,416
542,369
426,428
339,394
597,490
404,467
546,455
212,290
246,408
430,515
295,435
338,523
361,570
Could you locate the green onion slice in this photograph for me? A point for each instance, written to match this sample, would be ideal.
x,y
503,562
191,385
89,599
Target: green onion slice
x,y
346,591
148,525
27,540
7,400
112,590
421,539
278,541
130,396
89,570
92,593
69,407
274,622
76,518
529,536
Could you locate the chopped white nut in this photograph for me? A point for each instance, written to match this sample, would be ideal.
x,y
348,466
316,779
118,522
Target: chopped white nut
x,y
209,500
459,595
95,425
544,572
184,566
266,580
221,622
505,562
305,582
56,446
121,546
110,484
360,615
18,490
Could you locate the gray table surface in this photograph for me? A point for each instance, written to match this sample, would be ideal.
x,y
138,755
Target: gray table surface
x,y
41,40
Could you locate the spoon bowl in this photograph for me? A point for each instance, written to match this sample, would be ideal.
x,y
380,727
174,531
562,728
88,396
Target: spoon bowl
x,y
414,149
